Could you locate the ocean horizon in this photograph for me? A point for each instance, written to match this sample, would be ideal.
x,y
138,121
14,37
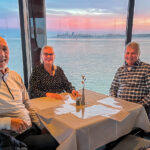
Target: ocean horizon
x,y
16,33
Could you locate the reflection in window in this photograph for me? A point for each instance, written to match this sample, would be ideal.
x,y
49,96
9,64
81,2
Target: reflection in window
x,y
10,30
88,38
141,28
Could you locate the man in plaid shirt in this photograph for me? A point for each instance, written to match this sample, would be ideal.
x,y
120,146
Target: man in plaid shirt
x,y
132,80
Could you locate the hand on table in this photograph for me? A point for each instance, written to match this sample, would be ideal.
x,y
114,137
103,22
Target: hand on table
x,y
54,95
18,125
75,93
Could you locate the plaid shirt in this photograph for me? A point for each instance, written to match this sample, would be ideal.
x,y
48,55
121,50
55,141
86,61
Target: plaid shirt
x,y
132,85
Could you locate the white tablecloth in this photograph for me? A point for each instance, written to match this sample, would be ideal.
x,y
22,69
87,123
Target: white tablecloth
x,y
78,133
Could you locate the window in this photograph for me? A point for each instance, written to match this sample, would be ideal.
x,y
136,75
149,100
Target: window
x,y
88,38
141,28
10,31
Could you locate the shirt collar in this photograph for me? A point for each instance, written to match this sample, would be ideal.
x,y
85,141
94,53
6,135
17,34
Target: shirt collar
x,y
5,75
137,63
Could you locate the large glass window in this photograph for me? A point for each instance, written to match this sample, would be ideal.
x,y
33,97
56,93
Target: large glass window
x,y
88,37
10,30
141,28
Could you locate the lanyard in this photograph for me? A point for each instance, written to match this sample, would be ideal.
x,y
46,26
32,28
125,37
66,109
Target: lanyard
x,y
7,87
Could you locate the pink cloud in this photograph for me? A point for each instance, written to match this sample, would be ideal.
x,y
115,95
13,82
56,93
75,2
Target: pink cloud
x,y
74,23
141,23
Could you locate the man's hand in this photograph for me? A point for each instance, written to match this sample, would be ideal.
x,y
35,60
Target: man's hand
x,y
18,125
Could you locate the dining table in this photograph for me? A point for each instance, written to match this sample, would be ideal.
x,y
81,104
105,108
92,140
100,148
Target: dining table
x,y
102,119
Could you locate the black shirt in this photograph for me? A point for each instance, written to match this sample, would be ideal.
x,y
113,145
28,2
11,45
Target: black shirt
x,y
42,82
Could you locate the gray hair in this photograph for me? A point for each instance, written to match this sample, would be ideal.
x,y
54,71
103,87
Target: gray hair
x,y
43,48
135,46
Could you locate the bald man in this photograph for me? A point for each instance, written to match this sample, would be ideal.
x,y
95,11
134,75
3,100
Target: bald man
x,y
17,117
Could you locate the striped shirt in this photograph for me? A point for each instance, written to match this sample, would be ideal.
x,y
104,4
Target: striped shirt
x,y
132,84
14,100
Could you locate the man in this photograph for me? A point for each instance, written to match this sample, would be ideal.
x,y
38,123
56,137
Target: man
x,y
132,80
15,109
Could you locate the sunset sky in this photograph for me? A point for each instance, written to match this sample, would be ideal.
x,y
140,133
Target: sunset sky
x,y
82,16
92,16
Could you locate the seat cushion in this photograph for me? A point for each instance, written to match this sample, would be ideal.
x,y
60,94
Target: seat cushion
x,y
132,142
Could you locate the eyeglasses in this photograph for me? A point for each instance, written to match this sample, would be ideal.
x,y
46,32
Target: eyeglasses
x,y
46,54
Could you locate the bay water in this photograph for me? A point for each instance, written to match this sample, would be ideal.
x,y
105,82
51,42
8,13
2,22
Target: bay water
x,y
97,59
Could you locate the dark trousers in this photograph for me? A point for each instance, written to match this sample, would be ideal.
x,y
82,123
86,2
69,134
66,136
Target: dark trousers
x,y
37,141
8,142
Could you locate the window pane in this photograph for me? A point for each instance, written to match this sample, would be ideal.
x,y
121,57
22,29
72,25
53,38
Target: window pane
x,y
10,30
141,28
88,38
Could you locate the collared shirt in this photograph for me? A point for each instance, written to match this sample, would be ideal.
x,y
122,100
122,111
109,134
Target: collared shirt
x,y
14,100
132,85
